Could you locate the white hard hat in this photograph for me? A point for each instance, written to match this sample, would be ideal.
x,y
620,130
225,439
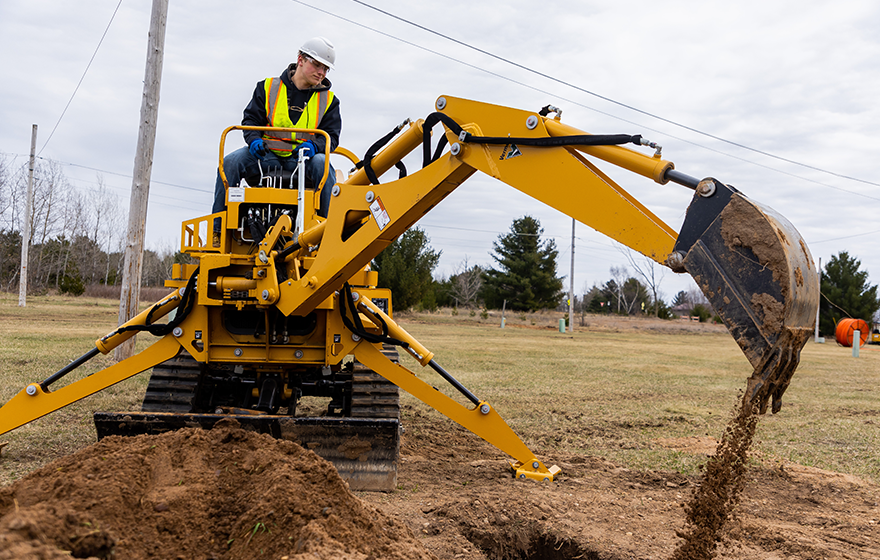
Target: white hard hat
x,y
321,50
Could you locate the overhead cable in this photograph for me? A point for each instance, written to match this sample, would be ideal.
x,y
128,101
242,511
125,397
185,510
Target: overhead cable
x,y
81,78
579,104
608,99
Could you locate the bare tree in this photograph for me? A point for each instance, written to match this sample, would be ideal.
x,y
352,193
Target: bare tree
x,y
74,214
647,269
107,223
74,233
6,195
620,274
466,284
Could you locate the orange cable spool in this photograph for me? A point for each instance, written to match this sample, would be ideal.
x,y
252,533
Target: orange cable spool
x,y
846,329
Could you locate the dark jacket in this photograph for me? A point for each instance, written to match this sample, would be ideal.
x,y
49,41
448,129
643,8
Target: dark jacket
x,y
255,112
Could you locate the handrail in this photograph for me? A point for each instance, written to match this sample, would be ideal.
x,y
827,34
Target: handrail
x,y
280,129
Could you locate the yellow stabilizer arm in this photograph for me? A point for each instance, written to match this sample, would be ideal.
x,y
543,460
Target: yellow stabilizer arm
x,y
35,402
482,420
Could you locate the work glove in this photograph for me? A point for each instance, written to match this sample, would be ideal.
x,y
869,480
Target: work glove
x,y
307,149
258,148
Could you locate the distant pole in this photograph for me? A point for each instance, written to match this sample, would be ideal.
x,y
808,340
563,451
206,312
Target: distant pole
x,y
571,284
816,338
26,228
140,185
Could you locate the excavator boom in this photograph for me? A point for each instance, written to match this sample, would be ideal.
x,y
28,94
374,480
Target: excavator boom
x,y
285,305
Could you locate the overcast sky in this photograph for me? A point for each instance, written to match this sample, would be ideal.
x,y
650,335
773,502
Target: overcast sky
x,y
743,81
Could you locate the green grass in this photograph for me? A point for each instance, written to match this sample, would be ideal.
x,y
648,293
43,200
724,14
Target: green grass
x,y
612,393
593,392
35,342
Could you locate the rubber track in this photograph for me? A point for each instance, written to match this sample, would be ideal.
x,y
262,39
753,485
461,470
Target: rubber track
x,y
372,395
172,385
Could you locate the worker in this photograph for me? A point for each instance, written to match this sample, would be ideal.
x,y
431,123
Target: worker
x,y
303,88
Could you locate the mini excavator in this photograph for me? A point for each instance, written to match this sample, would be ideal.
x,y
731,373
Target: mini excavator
x,y
287,307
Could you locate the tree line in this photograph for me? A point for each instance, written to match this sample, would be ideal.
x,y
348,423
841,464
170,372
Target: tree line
x,y
525,279
76,238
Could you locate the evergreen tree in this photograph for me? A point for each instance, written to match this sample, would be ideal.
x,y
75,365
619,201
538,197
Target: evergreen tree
x,y
406,267
845,293
527,269
682,297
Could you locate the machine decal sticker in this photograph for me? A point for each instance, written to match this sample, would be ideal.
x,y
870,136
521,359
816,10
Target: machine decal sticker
x,y
510,151
236,194
377,209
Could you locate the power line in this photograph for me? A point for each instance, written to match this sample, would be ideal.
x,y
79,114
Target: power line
x,y
846,237
610,100
76,180
129,176
616,117
76,89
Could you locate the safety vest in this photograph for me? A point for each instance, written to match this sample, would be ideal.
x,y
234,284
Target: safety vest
x,y
283,143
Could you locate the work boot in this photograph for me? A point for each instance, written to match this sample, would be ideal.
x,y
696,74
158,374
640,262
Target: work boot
x,y
216,240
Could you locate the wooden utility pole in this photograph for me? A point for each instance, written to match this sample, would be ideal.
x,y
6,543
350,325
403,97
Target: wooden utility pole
x,y
140,185
26,228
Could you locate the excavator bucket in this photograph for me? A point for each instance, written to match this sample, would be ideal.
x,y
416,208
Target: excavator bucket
x,y
759,276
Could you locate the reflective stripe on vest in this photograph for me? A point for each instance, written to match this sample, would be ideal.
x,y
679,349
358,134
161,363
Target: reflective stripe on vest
x,y
283,143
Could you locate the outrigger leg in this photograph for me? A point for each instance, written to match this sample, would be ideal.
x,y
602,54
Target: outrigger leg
x,y
482,420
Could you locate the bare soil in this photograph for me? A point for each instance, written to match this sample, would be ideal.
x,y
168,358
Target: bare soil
x,y
195,494
458,496
232,494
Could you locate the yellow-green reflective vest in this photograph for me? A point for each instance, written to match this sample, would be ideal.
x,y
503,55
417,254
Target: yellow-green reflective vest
x,y
284,143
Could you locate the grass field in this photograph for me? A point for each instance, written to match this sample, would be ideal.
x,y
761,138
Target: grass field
x,y
602,390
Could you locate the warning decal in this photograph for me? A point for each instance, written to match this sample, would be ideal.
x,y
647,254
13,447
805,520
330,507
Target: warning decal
x,y
236,194
510,151
377,209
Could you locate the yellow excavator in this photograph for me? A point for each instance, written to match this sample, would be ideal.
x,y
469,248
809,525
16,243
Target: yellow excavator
x,y
287,307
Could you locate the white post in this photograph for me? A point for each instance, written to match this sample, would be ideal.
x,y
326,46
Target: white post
x,y
143,165
816,337
571,284
857,341
301,195
26,227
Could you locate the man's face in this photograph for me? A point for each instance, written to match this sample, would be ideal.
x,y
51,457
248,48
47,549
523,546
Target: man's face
x,y
311,70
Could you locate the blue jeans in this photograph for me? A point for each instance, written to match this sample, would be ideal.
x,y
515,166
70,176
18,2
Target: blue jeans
x,y
240,164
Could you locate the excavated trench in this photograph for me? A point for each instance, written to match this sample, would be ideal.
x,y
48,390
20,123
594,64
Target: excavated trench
x,y
530,543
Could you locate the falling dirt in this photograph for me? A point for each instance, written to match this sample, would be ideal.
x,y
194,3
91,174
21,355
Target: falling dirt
x,y
713,502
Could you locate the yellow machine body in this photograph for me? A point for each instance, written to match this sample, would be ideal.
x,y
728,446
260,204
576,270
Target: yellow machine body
x,y
274,312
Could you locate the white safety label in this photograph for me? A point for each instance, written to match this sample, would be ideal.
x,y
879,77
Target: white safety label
x,y
236,194
379,213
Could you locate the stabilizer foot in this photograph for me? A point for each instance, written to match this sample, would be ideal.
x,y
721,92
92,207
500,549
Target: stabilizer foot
x,y
535,470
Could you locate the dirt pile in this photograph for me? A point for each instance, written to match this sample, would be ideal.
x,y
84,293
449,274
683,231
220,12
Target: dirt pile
x,y
224,494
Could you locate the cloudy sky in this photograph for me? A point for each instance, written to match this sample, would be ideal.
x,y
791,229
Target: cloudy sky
x,y
779,99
